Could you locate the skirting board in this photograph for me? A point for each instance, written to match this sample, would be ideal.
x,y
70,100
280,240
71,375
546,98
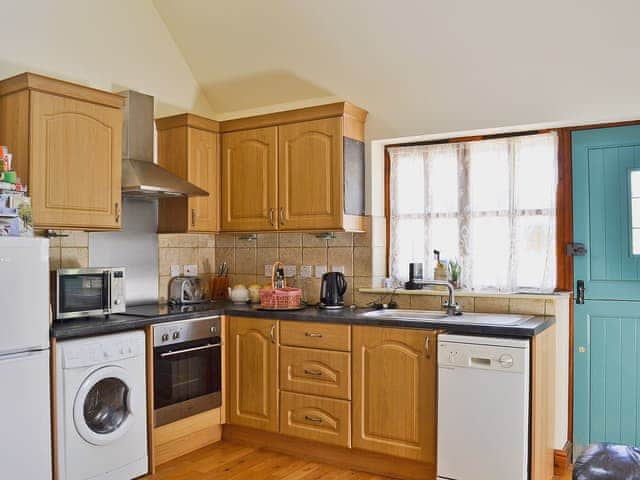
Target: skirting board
x,y
562,459
354,459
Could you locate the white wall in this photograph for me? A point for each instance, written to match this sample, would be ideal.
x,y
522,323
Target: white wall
x,y
108,44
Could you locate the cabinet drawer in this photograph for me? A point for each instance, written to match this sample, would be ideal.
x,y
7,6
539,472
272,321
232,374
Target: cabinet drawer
x,y
316,418
316,372
328,336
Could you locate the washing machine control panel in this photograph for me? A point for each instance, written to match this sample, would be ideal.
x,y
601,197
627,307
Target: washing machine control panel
x,y
98,352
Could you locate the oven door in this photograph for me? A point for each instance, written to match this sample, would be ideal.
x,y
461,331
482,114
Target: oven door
x,y
187,379
83,292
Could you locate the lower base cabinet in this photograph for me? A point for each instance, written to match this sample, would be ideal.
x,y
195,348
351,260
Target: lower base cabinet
x,y
316,418
395,392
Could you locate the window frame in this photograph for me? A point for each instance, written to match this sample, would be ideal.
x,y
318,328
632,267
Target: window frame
x,y
564,204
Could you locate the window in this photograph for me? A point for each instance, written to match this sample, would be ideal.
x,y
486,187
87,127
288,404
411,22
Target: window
x,y
489,204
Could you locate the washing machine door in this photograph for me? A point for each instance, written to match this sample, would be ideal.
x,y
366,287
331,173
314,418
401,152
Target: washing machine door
x,y
102,408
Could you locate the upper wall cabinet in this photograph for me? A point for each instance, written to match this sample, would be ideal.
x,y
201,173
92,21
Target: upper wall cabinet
x,y
66,144
188,147
301,170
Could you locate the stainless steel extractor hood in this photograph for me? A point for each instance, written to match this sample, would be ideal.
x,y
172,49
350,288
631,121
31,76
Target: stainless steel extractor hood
x,y
140,176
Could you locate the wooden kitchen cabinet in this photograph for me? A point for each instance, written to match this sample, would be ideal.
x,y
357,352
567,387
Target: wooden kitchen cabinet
x,y
66,141
300,170
188,147
395,392
249,192
253,373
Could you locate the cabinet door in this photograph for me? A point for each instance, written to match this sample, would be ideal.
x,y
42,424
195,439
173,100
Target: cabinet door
x,y
394,392
203,172
75,166
310,175
253,373
249,193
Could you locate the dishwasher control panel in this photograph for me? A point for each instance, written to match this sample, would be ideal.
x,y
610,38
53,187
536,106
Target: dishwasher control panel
x,y
492,354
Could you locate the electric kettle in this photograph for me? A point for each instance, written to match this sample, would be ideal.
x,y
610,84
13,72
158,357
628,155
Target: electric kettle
x,y
332,290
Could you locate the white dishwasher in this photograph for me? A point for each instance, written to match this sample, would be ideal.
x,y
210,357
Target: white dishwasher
x,y
483,408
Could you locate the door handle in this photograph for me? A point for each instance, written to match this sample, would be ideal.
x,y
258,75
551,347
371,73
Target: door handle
x,y
312,335
580,292
193,217
271,217
315,373
312,419
272,333
427,346
281,216
117,212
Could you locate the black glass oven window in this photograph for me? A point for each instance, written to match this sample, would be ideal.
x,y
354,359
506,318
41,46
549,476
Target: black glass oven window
x,y
183,376
105,407
81,292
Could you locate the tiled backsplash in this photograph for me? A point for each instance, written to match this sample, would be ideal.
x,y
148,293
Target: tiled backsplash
x,y
71,251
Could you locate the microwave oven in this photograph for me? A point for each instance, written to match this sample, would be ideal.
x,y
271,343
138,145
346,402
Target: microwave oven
x,y
86,292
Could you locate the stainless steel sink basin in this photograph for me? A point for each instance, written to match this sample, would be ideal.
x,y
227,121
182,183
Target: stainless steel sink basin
x,y
492,319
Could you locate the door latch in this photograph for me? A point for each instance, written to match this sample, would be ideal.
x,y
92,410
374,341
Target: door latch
x,y
580,292
576,250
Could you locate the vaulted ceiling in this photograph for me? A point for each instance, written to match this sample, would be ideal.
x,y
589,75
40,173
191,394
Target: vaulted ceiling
x,y
418,66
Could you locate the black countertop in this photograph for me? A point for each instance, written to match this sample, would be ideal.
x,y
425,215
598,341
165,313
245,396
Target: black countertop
x,y
117,323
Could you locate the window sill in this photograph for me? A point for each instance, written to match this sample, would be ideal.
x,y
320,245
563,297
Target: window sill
x,y
466,293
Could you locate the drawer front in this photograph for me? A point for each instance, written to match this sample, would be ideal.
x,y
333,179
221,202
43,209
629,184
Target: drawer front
x,y
315,418
328,336
315,372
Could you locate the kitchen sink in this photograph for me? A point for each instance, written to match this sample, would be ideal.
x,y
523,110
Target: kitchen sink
x,y
495,319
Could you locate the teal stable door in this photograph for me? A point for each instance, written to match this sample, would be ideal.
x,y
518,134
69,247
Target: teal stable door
x,y
606,211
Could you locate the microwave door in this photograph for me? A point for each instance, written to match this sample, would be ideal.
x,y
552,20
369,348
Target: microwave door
x,y
82,294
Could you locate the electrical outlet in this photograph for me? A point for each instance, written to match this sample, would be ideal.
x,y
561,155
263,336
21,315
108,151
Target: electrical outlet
x,y
320,270
306,271
191,270
289,270
337,268
175,270
267,270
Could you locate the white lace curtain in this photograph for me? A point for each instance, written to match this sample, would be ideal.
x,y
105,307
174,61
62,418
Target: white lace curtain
x,y
490,205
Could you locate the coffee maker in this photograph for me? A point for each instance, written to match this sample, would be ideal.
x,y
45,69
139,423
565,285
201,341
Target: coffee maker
x,y
416,277
332,290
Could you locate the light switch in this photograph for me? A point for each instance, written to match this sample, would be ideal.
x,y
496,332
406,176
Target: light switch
x,y
175,270
306,271
320,270
289,270
191,270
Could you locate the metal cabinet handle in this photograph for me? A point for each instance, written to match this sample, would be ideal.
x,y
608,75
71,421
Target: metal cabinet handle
x,y
272,333
281,216
427,346
117,212
314,335
315,373
193,217
187,350
271,221
313,419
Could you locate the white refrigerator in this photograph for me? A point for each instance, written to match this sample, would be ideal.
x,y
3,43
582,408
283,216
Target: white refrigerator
x,y
25,403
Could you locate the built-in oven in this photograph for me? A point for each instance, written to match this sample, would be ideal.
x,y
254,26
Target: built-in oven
x,y
85,292
187,368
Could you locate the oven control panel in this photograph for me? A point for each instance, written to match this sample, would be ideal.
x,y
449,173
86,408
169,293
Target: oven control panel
x,y
185,331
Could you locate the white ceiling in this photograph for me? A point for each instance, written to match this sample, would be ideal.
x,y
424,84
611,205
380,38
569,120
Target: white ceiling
x,y
418,66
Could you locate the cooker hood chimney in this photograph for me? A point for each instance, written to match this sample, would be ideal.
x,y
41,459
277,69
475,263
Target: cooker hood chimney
x,y
141,177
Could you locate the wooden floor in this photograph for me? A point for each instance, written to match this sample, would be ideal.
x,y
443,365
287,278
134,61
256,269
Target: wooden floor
x,y
226,460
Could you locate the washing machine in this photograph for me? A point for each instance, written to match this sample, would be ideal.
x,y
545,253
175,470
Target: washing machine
x,y
102,407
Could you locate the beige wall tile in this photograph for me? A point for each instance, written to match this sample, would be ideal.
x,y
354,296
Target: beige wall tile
x,y
266,256
74,257
311,290
468,304
242,279
163,240
341,256
75,239
242,241
310,240
290,256
289,240
206,240
206,260
491,305
550,307
314,256
225,240
267,240
168,256
363,239
246,260
188,256
364,299
163,288
226,254
362,261
343,239
526,306
426,302
54,258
